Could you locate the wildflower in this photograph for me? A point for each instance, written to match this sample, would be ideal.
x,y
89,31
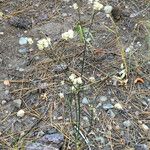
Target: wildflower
x,y
75,6
30,41
43,43
73,89
92,79
20,113
97,6
68,35
61,95
62,82
79,80
72,77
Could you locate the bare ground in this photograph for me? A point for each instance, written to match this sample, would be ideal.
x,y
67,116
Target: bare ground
x,y
35,76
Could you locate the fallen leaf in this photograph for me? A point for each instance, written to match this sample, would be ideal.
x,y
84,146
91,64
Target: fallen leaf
x,y
138,80
7,82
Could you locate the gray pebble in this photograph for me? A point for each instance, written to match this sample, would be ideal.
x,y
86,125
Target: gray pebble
x,y
111,113
85,101
55,138
127,123
22,50
4,102
107,106
17,103
103,98
141,147
23,40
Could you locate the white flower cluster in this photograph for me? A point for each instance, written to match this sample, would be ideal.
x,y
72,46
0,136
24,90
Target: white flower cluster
x,y
75,6
97,5
76,81
30,41
43,43
68,35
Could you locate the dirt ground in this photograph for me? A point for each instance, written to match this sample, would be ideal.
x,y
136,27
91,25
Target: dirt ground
x,y
30,79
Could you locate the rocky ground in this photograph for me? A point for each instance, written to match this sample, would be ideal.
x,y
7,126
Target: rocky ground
x,y
115,109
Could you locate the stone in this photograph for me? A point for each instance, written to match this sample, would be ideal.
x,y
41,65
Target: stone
x,y
111,113
85,101
60,68
4,102
22,50
127,123
103,98
107,106
20,113
55,138
17,103
23,40
141,147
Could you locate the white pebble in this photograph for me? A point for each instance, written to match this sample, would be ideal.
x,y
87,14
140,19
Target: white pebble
x,y
61,95
118,106
145,127
3,102
108,9
20,113
1,33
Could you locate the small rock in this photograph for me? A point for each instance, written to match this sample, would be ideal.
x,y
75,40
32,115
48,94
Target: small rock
x,y
103,98
23,50
35,146
64,14
86,119
4,102
107,106
42,86
1,33
85,101
60,68
20,113
145,127
23,40
100,139
141,147
111,113
17,103
99,105
55,138
21,69
127,123
40,133
108,9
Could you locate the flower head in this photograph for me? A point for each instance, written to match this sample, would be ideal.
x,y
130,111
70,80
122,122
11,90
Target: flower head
x,y
75,6
72,77
30,41
43,43
79,80
68,35
97,6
